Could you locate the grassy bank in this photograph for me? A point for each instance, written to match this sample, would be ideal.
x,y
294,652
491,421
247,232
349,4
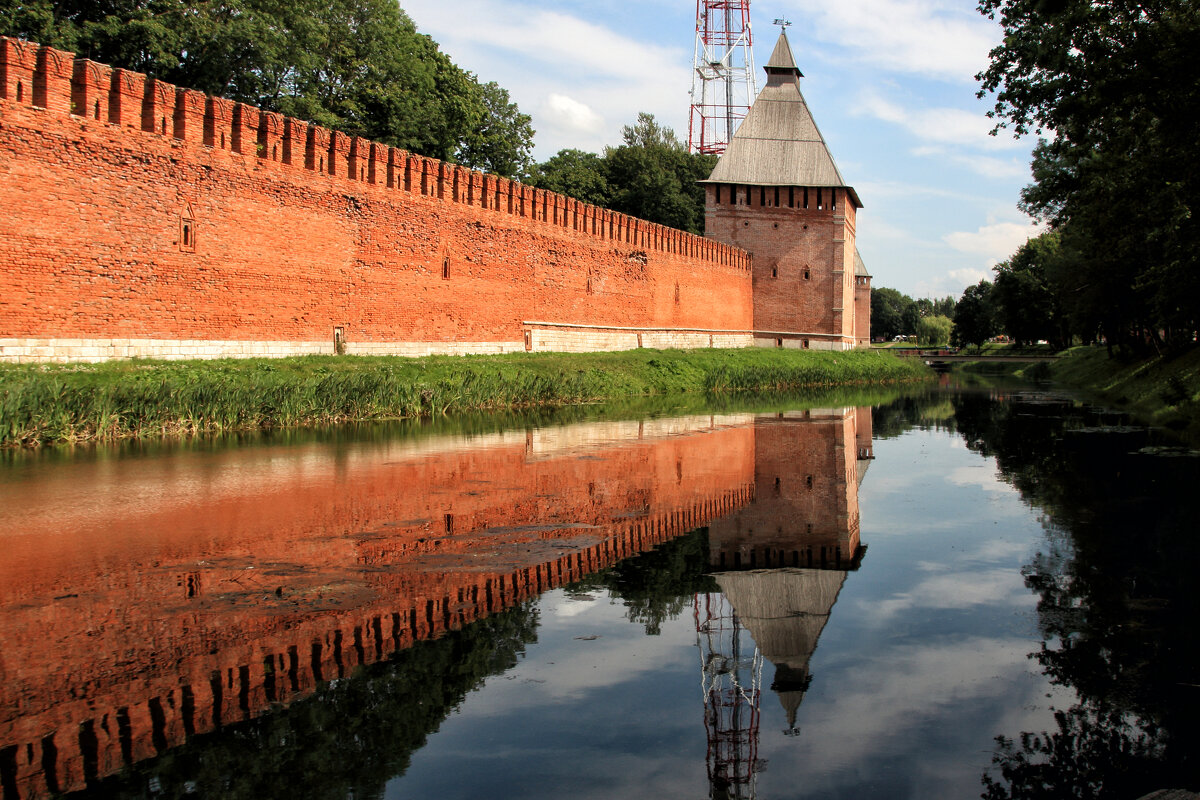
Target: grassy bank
x,y
44,403
1162,391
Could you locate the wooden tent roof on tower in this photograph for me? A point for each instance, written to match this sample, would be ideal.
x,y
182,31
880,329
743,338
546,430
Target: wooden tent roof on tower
x,y
778,144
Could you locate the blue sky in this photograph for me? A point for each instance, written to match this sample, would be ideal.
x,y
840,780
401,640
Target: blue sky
x,y
890,83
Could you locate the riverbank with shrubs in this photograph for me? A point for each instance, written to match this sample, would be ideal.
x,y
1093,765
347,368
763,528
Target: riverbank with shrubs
x,y
1160,390
42,404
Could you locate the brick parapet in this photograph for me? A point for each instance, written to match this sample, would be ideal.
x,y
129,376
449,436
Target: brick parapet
x,y
48,79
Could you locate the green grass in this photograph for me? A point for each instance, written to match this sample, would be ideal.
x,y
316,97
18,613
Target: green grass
x,y
1162,391
55,403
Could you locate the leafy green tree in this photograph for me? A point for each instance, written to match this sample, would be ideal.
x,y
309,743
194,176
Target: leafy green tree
x,y
934,331
944,306
500,142
1028,308
574,173
974,316
887,312
653,176
358,66
1116,82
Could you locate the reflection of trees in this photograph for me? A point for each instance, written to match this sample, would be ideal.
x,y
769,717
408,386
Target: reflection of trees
x,y
347,739
351,736
925,408
1094,753
1116,605
659,584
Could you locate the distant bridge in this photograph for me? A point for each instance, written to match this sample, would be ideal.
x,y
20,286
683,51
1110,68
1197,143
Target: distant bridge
x,y
942,359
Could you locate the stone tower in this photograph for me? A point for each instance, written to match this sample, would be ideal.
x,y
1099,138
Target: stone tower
x,y
777,193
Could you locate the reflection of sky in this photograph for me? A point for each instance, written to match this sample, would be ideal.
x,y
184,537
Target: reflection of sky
x,y
923,662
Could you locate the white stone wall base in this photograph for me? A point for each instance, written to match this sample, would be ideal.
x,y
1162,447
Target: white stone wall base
x,y
564,339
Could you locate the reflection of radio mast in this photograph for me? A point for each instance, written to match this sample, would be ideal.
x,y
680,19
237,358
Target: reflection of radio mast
x,y
731,684
723,74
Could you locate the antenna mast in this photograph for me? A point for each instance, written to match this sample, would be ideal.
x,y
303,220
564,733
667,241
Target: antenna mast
x,y
723,74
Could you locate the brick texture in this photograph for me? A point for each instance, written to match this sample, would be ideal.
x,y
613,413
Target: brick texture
x,y
372,549
134,210
802,245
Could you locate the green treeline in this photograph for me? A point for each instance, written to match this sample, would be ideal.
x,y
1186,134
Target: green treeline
x,y
894,313
361,67
41,403
357,66
651,175
1114,86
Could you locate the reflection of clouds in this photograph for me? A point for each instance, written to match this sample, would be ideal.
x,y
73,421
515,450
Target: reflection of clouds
x,y
562,667
569,607
981,476
590,772
1006,550
886,703
957,591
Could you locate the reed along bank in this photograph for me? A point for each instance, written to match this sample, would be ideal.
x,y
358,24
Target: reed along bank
x,y
41,404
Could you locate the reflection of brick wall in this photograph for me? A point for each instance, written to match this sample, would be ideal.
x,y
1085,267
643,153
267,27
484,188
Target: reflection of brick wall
x,y
138,218
179,594
805,511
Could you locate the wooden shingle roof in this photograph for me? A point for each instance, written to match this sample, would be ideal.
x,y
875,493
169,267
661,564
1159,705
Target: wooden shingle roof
x,y
778,143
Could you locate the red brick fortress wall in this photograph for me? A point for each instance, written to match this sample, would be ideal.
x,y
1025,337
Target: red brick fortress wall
x,y
137,218
801,240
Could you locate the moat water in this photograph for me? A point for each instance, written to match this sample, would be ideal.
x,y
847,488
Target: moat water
x,y
948,592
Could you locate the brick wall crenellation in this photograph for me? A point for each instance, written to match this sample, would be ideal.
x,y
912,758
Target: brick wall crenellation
x,y
57,81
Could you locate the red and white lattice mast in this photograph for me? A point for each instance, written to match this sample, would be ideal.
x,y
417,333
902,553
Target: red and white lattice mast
x,y
723,74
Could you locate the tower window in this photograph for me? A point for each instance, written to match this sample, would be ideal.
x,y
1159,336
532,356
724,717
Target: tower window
x,y
718,193
446,268
777,197
807,274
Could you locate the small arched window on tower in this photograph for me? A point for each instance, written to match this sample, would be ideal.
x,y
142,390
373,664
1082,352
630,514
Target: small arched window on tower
x,y
807,274
187,230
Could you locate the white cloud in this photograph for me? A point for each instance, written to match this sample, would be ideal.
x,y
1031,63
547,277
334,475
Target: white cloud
x,y
569,115
969,277
936,126
581,81
997,241
945,40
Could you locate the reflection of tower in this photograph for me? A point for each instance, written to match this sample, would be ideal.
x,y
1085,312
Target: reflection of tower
x,y
783,561
807,468
731,669
785,611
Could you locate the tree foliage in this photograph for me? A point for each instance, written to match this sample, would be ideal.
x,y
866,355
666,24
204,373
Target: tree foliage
x,y
358,66
651,175
1115,83
974,316
894,313
934,330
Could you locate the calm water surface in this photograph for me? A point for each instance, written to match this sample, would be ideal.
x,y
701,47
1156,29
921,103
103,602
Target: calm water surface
x,y
952,594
